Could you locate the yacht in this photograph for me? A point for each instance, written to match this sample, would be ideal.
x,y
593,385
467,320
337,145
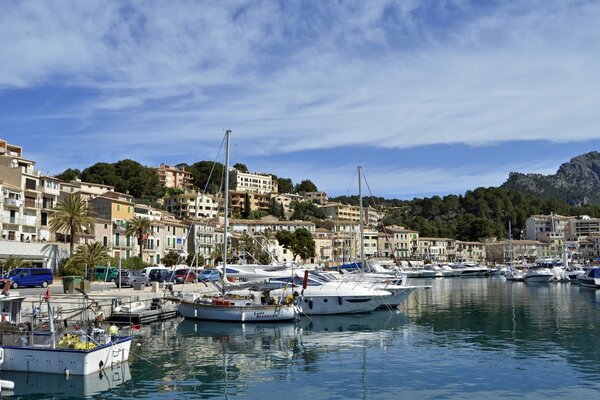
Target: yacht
x,y
540,272
317,296
515,274
590,279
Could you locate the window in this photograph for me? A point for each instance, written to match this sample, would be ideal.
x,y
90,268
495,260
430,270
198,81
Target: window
x,y
117,239
30,184
118,207
105,241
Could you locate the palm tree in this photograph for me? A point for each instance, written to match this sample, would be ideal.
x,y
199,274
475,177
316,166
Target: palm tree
x,y
12,262
71,215
140,227
90,255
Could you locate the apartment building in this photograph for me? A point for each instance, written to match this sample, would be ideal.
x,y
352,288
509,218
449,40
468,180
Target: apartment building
x,y
116,209
537,225
87,190
286,200
245,202
582,226
193,205
323,246
316,197
341,212
253,183
173,177
398,242
522,250
202,239
436,249
470,251
21,197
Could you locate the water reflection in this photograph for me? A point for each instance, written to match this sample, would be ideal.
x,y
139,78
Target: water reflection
x,y
37,385
532,321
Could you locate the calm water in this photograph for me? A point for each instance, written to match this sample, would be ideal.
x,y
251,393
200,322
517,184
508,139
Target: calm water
x,y
464,338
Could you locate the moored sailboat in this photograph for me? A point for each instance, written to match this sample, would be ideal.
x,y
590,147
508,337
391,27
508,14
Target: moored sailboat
x,y
227,307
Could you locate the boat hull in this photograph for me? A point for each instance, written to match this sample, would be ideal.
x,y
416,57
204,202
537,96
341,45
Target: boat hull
x,y
57,361
538,278
593,283
398,296
206,311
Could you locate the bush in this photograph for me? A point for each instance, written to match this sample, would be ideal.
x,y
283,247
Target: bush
x,y
129,263
64,268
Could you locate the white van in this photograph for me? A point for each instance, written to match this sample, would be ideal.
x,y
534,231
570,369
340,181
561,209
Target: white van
x,y
150,272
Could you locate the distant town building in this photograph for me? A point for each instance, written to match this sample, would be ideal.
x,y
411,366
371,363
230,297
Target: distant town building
x,y
173,177
253,183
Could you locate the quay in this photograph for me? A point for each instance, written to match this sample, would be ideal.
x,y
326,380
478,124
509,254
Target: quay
x,y
107,302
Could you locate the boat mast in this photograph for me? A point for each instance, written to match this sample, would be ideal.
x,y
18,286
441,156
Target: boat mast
x,y
362,223
510,249
225,210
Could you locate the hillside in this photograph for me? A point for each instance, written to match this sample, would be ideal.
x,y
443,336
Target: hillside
x,y
577,182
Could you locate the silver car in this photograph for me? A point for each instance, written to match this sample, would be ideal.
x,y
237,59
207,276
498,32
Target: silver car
x,y
129,278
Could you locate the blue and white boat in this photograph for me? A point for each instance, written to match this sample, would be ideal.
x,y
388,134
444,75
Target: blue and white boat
x,y
591,279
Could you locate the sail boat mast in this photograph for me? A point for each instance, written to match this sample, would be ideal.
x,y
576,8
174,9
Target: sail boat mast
x,y
362,223
225,209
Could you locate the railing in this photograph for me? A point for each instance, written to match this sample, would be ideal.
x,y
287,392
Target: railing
x,y
13,202
20,221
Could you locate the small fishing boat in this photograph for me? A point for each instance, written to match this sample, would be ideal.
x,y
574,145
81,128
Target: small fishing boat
x,y
78,353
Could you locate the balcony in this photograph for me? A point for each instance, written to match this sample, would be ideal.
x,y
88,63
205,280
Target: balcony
x,y
27,221
13,202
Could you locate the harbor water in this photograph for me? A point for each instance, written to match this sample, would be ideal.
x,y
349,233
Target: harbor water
x,y
463,338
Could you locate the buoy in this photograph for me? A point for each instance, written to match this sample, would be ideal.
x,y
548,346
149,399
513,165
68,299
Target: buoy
x,y
67,373
113,330
139,345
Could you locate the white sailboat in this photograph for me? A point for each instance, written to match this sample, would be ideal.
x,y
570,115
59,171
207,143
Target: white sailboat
x,y
235,308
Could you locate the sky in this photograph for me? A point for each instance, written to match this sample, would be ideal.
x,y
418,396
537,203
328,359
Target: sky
x,y
430,97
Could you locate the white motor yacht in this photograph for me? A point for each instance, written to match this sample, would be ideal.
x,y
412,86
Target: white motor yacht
x,y
316,296
540,272
591,279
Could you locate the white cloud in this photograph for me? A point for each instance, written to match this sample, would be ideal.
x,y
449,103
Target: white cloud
x,y
167,78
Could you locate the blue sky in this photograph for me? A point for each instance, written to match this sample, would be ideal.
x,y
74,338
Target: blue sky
x,y
431,97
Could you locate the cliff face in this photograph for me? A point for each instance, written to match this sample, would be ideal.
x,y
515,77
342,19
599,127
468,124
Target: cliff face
x,y
577,181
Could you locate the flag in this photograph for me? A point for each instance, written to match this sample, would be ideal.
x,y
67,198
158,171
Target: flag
x,y
47,295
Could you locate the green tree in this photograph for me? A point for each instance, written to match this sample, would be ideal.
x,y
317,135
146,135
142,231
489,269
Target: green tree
x,y
241,167
132,263
306,211
12,262
209,175
276,209
284,185
139,227
69,174
300,242
89,256
72,215
170,259
306,186
304,244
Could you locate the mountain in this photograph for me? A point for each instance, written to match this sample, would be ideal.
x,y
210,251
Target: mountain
x,y
577,182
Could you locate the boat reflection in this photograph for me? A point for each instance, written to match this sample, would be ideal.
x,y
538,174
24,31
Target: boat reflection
x,y
31,385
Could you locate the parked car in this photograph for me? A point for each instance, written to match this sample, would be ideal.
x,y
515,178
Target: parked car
x,y
29,277
129,278
209,275
155,273
184,274
106,274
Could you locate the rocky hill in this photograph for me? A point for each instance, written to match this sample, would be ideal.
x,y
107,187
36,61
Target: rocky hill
x,y
577,181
